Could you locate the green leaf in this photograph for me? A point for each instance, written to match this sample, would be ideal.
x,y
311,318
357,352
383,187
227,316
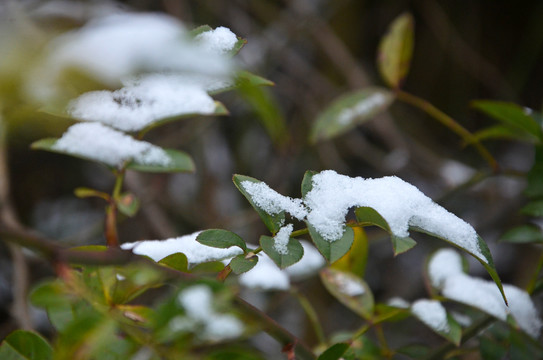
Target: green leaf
x,y
402,244
25,345
241,264
307,182
295,251
200,29
128,204
267,110
356,258
84,192
350,290
244,80
533,208
490,349
368,216
332,250
512,115
179,162
176,261
501,132
350,110
523,234
222,239
334,352
272,222
535,175
414,351
395,50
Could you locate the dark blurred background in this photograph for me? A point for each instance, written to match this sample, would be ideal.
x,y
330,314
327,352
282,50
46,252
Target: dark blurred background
x,y
313,51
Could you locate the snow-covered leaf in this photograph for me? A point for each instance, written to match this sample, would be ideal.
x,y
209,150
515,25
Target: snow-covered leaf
x,y
395,50
434,315
293,254
179,161
272,221
350,290
350,110
177,261
221,239
332,250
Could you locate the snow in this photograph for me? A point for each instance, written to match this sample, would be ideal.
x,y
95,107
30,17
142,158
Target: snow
x,y
142,101
221,40
309,264
398,202
117,46
265,276
98,142
282,238
198,304
349,285
363,107
432,313
401,204
271,201
398,302
482,294
196,253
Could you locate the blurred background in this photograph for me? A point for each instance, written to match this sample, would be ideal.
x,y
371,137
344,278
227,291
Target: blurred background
x,y
314,51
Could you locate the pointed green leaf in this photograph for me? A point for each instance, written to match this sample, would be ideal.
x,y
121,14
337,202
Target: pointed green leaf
x,y
221,239
523,234
334,352
395,50
177,261
128,204
512,115
533,208
179,162
350,290
241,263
243,80
501,132
307,182
332,250
272,222
200,29
402,244
369,216
294,253
350,110
25,345
356,258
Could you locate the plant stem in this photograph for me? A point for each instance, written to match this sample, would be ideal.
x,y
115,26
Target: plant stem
x,y
112,237
299,232
311,314
449,122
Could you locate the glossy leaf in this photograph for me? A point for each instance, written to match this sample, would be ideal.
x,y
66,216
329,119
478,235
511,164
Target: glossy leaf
x,y
128,204
350,110
512,115
25,345
179,162
332,250
350,290
222,239
402,244
176,261
334,352
241,263
272,222
356,258
395,50
307,182
523,234
295,251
